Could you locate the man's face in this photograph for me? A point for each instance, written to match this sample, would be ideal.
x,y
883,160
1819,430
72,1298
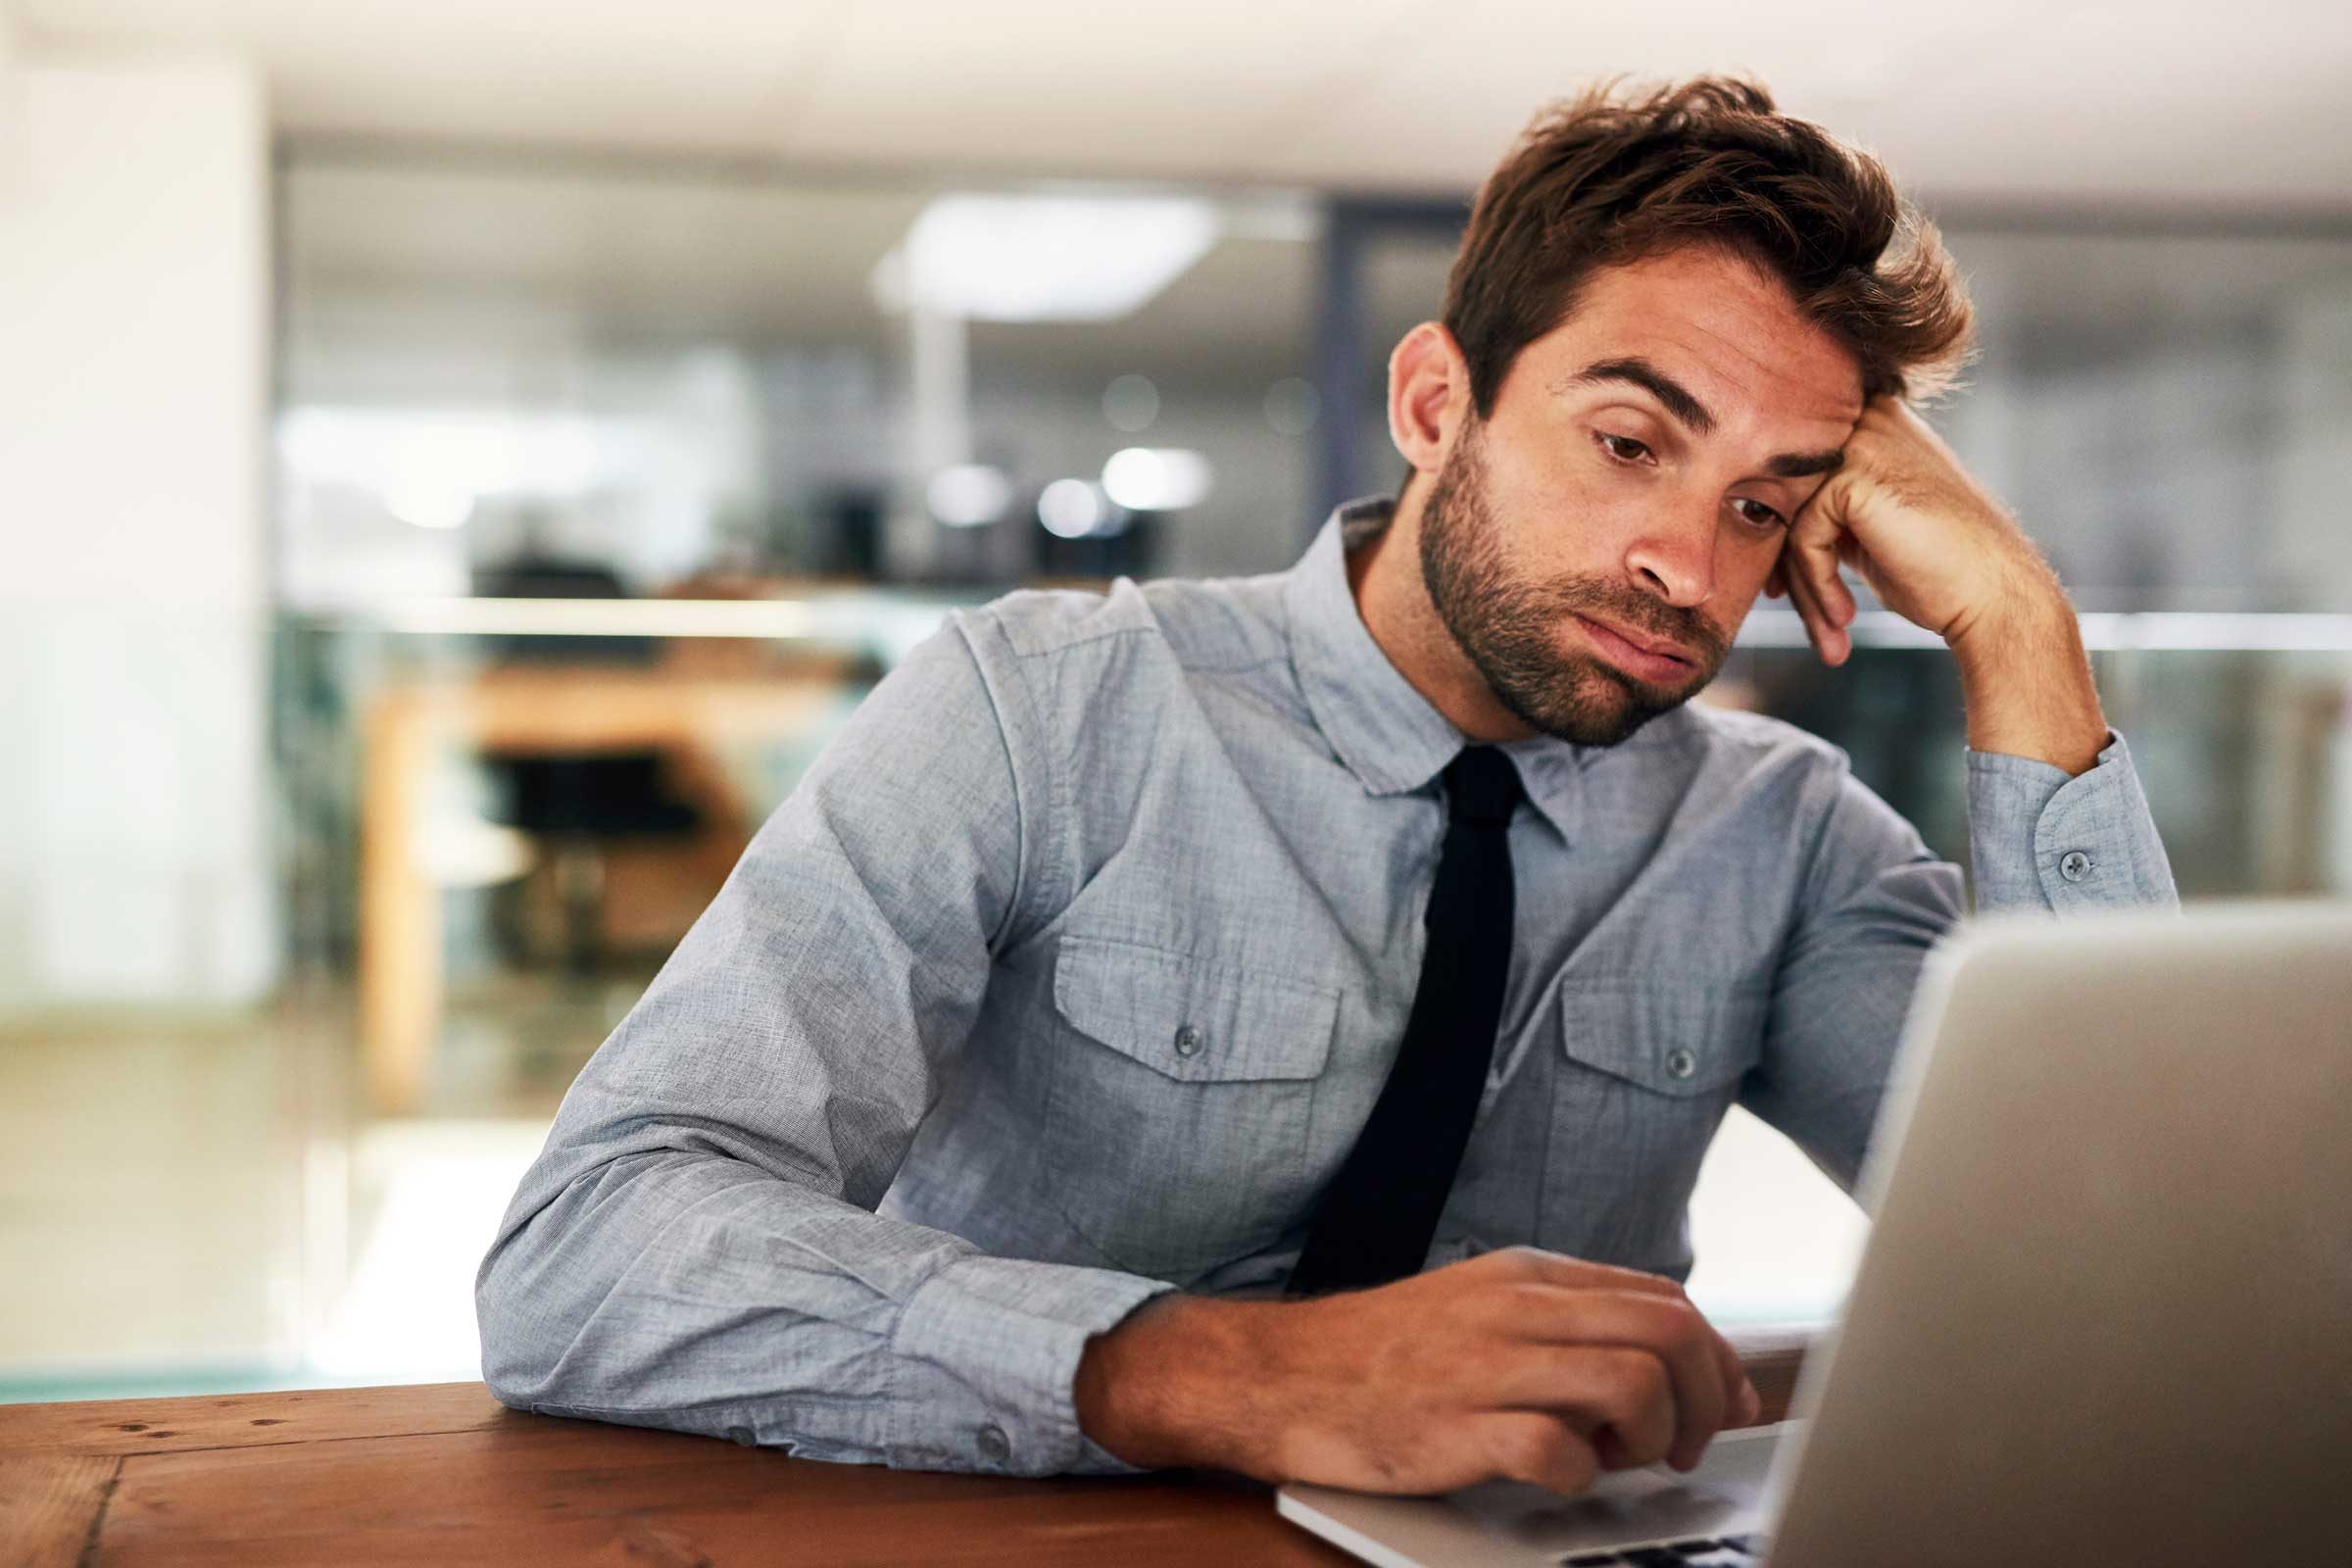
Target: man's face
x,y
1594,544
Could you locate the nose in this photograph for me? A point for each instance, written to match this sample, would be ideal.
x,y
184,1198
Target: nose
x,y
1674,558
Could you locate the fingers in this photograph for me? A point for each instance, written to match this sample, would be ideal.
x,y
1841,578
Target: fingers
x,y
1541,1450
1829,637
1807,571
1672,1416
1814,543
1747,1405
1533,1265
1563,1307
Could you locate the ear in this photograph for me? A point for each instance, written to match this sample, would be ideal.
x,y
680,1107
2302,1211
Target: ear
x,y
1429,396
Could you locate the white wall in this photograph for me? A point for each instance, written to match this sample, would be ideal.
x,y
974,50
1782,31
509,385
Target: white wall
x,y
136,862
8,97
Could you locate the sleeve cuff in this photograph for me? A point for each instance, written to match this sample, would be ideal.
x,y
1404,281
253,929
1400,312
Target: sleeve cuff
x,y
996,1344
2040,840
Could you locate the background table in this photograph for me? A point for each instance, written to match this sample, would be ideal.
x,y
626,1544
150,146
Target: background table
x,y
443,1474
554,709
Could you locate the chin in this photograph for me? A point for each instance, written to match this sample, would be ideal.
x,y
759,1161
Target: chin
x,y
1602,706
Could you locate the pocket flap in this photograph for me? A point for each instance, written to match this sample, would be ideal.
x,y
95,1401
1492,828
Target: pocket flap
x,y
1672,1038
1191,1019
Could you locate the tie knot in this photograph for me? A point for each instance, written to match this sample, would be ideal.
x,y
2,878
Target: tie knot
x,y
1481,786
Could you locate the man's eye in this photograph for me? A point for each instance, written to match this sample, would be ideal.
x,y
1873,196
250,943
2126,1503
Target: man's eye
x,y
1763,516
1624,447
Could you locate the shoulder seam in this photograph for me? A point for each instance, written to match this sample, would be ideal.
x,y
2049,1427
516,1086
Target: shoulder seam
x,y
1024,835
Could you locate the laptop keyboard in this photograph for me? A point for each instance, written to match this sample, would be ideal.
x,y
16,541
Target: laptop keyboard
x,y
1701,1552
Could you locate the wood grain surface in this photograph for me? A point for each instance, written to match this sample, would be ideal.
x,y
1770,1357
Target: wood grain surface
x,y
443,1474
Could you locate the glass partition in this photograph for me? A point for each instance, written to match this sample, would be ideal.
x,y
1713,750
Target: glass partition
x,y
603,380
606,491
305,1180
2169,407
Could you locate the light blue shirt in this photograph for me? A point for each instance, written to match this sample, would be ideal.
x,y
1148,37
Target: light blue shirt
x,y
1070,971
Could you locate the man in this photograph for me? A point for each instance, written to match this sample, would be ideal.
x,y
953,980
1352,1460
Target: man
x,y
1276,1024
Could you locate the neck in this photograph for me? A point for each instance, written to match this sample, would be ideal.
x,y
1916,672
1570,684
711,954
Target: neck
x,y
1393,596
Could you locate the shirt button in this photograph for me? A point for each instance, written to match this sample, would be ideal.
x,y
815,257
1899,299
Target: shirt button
x,y
1680,1063
1189,1040
2075,865
995,1446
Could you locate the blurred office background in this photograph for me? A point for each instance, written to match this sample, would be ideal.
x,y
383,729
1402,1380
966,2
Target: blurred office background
x,y
459,462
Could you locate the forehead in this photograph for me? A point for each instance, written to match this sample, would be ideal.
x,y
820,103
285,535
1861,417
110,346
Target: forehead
x,y
1726,328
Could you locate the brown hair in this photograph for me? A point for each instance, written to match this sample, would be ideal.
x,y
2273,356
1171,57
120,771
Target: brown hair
x,y
1610,177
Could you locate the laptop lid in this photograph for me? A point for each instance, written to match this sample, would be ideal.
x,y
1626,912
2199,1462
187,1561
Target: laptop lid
x,y
2105,1314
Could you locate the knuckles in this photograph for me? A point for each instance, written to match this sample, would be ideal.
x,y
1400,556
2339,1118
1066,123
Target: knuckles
x,y
1638,1382
1545,1453
1521,1263
1532,1449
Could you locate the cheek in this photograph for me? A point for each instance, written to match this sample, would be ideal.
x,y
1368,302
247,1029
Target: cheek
x,y
1560,522
1749,567
1741,585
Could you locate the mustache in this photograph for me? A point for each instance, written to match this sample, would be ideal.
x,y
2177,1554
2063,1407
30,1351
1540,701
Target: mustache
x,y
1639,613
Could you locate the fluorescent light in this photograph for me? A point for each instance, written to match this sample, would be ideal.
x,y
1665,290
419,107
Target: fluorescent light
x,y
430,465
1042,257
968,495
429,506
1156,479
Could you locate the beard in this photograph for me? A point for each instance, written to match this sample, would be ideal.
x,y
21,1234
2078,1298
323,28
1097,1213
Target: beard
x,y
1510,628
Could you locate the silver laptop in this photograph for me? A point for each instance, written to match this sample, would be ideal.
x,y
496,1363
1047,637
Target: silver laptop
x,y
2105,1314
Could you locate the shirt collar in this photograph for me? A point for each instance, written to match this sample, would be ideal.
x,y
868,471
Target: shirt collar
x,y
1385,731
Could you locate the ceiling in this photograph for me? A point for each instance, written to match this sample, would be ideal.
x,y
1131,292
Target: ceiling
x,y
2015,101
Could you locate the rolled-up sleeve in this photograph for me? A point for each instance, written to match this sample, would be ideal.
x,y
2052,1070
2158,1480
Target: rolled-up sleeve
x,y
695,1246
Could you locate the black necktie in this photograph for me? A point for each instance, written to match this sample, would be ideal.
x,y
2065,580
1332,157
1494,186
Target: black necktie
x,y
1380,1212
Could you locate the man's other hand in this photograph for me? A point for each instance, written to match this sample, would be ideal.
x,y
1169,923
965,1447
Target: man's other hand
x,y
1940,550
1520,1364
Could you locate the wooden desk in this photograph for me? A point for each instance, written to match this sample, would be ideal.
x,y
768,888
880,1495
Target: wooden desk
x,y
553,708
443,1475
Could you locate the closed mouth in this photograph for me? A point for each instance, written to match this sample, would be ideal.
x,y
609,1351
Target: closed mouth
x,y
1648,645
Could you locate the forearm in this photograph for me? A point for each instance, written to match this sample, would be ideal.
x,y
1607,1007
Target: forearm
x,y
1171,1386
2056,816
695,1292
2025,678
1515,1364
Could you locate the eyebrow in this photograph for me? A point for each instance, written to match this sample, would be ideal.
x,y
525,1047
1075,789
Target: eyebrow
x,y
1649,378
1692,414
1805,465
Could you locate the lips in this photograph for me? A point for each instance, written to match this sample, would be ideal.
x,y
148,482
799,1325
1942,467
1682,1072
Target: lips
x,y
1649,658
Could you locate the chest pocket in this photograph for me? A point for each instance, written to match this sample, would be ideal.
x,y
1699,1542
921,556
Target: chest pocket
x,y
1178,1103
1683,1041
1648,1071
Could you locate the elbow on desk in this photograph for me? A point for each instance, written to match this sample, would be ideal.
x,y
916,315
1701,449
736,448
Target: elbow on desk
x,y
509,1366
555,1343
554,1336
527,1322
